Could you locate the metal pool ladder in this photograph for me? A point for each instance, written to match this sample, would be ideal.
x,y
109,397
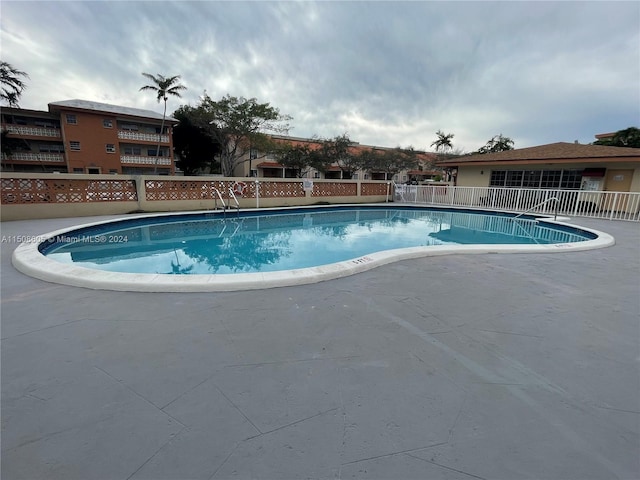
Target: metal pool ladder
x,y
555,213
224,205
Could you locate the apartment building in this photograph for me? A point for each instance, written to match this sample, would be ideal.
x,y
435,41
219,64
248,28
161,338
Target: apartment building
x,y
80,136
263,164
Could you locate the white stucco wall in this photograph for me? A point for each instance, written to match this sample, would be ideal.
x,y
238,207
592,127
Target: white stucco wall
x,y
470,176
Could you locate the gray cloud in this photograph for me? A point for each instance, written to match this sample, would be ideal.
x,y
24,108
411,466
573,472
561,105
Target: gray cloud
x,y
388,73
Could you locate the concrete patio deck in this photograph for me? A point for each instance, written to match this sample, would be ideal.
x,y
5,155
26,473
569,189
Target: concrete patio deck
x,y
514,366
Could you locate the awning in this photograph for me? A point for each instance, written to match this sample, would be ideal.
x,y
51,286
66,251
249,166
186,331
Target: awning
x,y
269,165
594,172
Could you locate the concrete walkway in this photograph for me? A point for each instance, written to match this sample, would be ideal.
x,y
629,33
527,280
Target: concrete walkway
x,y
514,366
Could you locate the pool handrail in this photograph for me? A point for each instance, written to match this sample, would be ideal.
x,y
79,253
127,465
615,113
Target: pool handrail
x,y
235,199
555,213
224,205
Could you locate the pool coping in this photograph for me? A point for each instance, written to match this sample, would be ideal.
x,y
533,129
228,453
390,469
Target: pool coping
x,y
29,260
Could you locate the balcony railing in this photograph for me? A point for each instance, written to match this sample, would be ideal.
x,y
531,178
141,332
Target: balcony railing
x,y
37,157
145,137
33,131
145,160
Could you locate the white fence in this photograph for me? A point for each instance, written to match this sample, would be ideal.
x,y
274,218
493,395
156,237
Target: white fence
x,y
608,205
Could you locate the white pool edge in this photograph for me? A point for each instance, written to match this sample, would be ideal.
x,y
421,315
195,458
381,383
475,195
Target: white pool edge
x,y
27,259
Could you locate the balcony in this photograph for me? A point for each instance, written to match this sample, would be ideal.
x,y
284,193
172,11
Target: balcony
x,y
140,160
37,157
33,131
145,137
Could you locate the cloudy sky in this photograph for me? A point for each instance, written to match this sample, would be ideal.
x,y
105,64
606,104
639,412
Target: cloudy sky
x,y
386,73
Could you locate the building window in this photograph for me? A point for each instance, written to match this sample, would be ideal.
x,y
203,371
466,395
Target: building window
x,y
111,148
151,152
78,170
132,151
531,178
514,178
571,179
106,123
129,126
43,124
497,178
316,174
253,154
93,171
71,119
549,179
51,148
74,145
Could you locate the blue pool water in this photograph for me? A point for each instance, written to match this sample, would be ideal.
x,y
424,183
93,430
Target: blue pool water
x,y
260,241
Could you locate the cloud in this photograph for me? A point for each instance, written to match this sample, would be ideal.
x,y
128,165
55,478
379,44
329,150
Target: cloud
x,y
388,73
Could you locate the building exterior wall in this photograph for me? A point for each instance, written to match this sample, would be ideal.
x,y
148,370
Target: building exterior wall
x,y
635,182
470,176
91,141
92,137
36,140
480,175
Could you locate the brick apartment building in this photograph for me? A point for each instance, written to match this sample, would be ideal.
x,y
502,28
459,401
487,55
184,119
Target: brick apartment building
x,y
80,136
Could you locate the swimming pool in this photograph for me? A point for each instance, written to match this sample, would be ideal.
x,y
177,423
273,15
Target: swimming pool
x,y
258,248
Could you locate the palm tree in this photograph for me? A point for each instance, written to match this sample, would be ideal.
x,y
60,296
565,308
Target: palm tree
x,y
163,87
12,86
443,143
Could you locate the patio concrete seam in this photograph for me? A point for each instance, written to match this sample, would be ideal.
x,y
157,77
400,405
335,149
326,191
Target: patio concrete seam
x,y
294,423
392,454
44,328
285,362
171,438
237,408
187,391
139,395
446,467
215,472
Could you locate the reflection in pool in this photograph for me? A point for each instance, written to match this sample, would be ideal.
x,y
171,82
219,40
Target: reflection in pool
x,y
264,242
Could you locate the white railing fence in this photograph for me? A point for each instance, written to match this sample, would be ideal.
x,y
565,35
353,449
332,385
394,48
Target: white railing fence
x,y
148,137
582,203
33,131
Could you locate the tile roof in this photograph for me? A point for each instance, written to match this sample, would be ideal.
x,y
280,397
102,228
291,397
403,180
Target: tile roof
x,y
107,108
553,151
269,165
354,148
424,172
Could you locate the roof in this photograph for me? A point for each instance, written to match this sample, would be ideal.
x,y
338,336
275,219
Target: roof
x,y
108,108
269,165
424,172
26,112
600,136
354,148
555,152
